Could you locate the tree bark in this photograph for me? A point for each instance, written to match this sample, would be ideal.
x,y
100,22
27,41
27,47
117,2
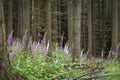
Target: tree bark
x,y
77,28
37,27
23,17
8,10
70,24
90,39
5,73
48,20
55,20
115,29
107,26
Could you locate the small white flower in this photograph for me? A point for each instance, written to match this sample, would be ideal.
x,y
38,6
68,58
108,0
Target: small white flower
x,y
66,49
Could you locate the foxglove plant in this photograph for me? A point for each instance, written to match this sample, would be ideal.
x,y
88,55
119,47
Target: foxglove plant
x,y
66,49
44,52
87,52
43,41
35,49
34,43
29,44
43,47
25,37
102,54
117,50
15,50
10,38
110,53
61,42
21,46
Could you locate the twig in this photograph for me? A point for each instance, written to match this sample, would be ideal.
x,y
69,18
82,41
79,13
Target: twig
x,y
89,78
55,76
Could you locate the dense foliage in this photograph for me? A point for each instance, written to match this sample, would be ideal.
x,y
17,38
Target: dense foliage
x,y
32,62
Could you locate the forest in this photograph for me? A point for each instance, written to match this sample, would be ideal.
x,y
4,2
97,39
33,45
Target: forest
x,y
59,40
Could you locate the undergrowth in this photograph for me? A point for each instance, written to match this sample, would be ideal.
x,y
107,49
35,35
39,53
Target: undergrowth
x,y
33,62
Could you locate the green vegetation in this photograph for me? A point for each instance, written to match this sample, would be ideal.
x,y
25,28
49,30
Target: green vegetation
x,y
33,62
45,68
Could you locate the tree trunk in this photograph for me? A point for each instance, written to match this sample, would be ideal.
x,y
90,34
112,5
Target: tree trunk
x,y
97,28
23,17
70,24
48,20
77,28
107,26
90,40
55,20
115,29
115,26
8,9
15,18
37,27
5,73
84,25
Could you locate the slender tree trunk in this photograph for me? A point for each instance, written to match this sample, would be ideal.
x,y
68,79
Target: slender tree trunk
x,y
115,29
90,39
24,17
97,28
8,9
70,23
48,20
32,31
77,28
55,21
15,17
5,73
59,21
37,19
115,26
107,26
84,25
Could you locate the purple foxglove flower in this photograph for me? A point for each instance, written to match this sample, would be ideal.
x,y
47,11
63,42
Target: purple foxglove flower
x,y
10,38
87,52
102,54
29,44
25,37
109,55
43,41
117,51
34,43
20,46
35,49
66,49
61,42
44,52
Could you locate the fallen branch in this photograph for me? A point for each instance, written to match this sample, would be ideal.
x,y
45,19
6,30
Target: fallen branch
x,y
95,77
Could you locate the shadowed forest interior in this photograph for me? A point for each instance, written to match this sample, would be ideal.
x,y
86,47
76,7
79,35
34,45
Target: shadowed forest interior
x,y
59,39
